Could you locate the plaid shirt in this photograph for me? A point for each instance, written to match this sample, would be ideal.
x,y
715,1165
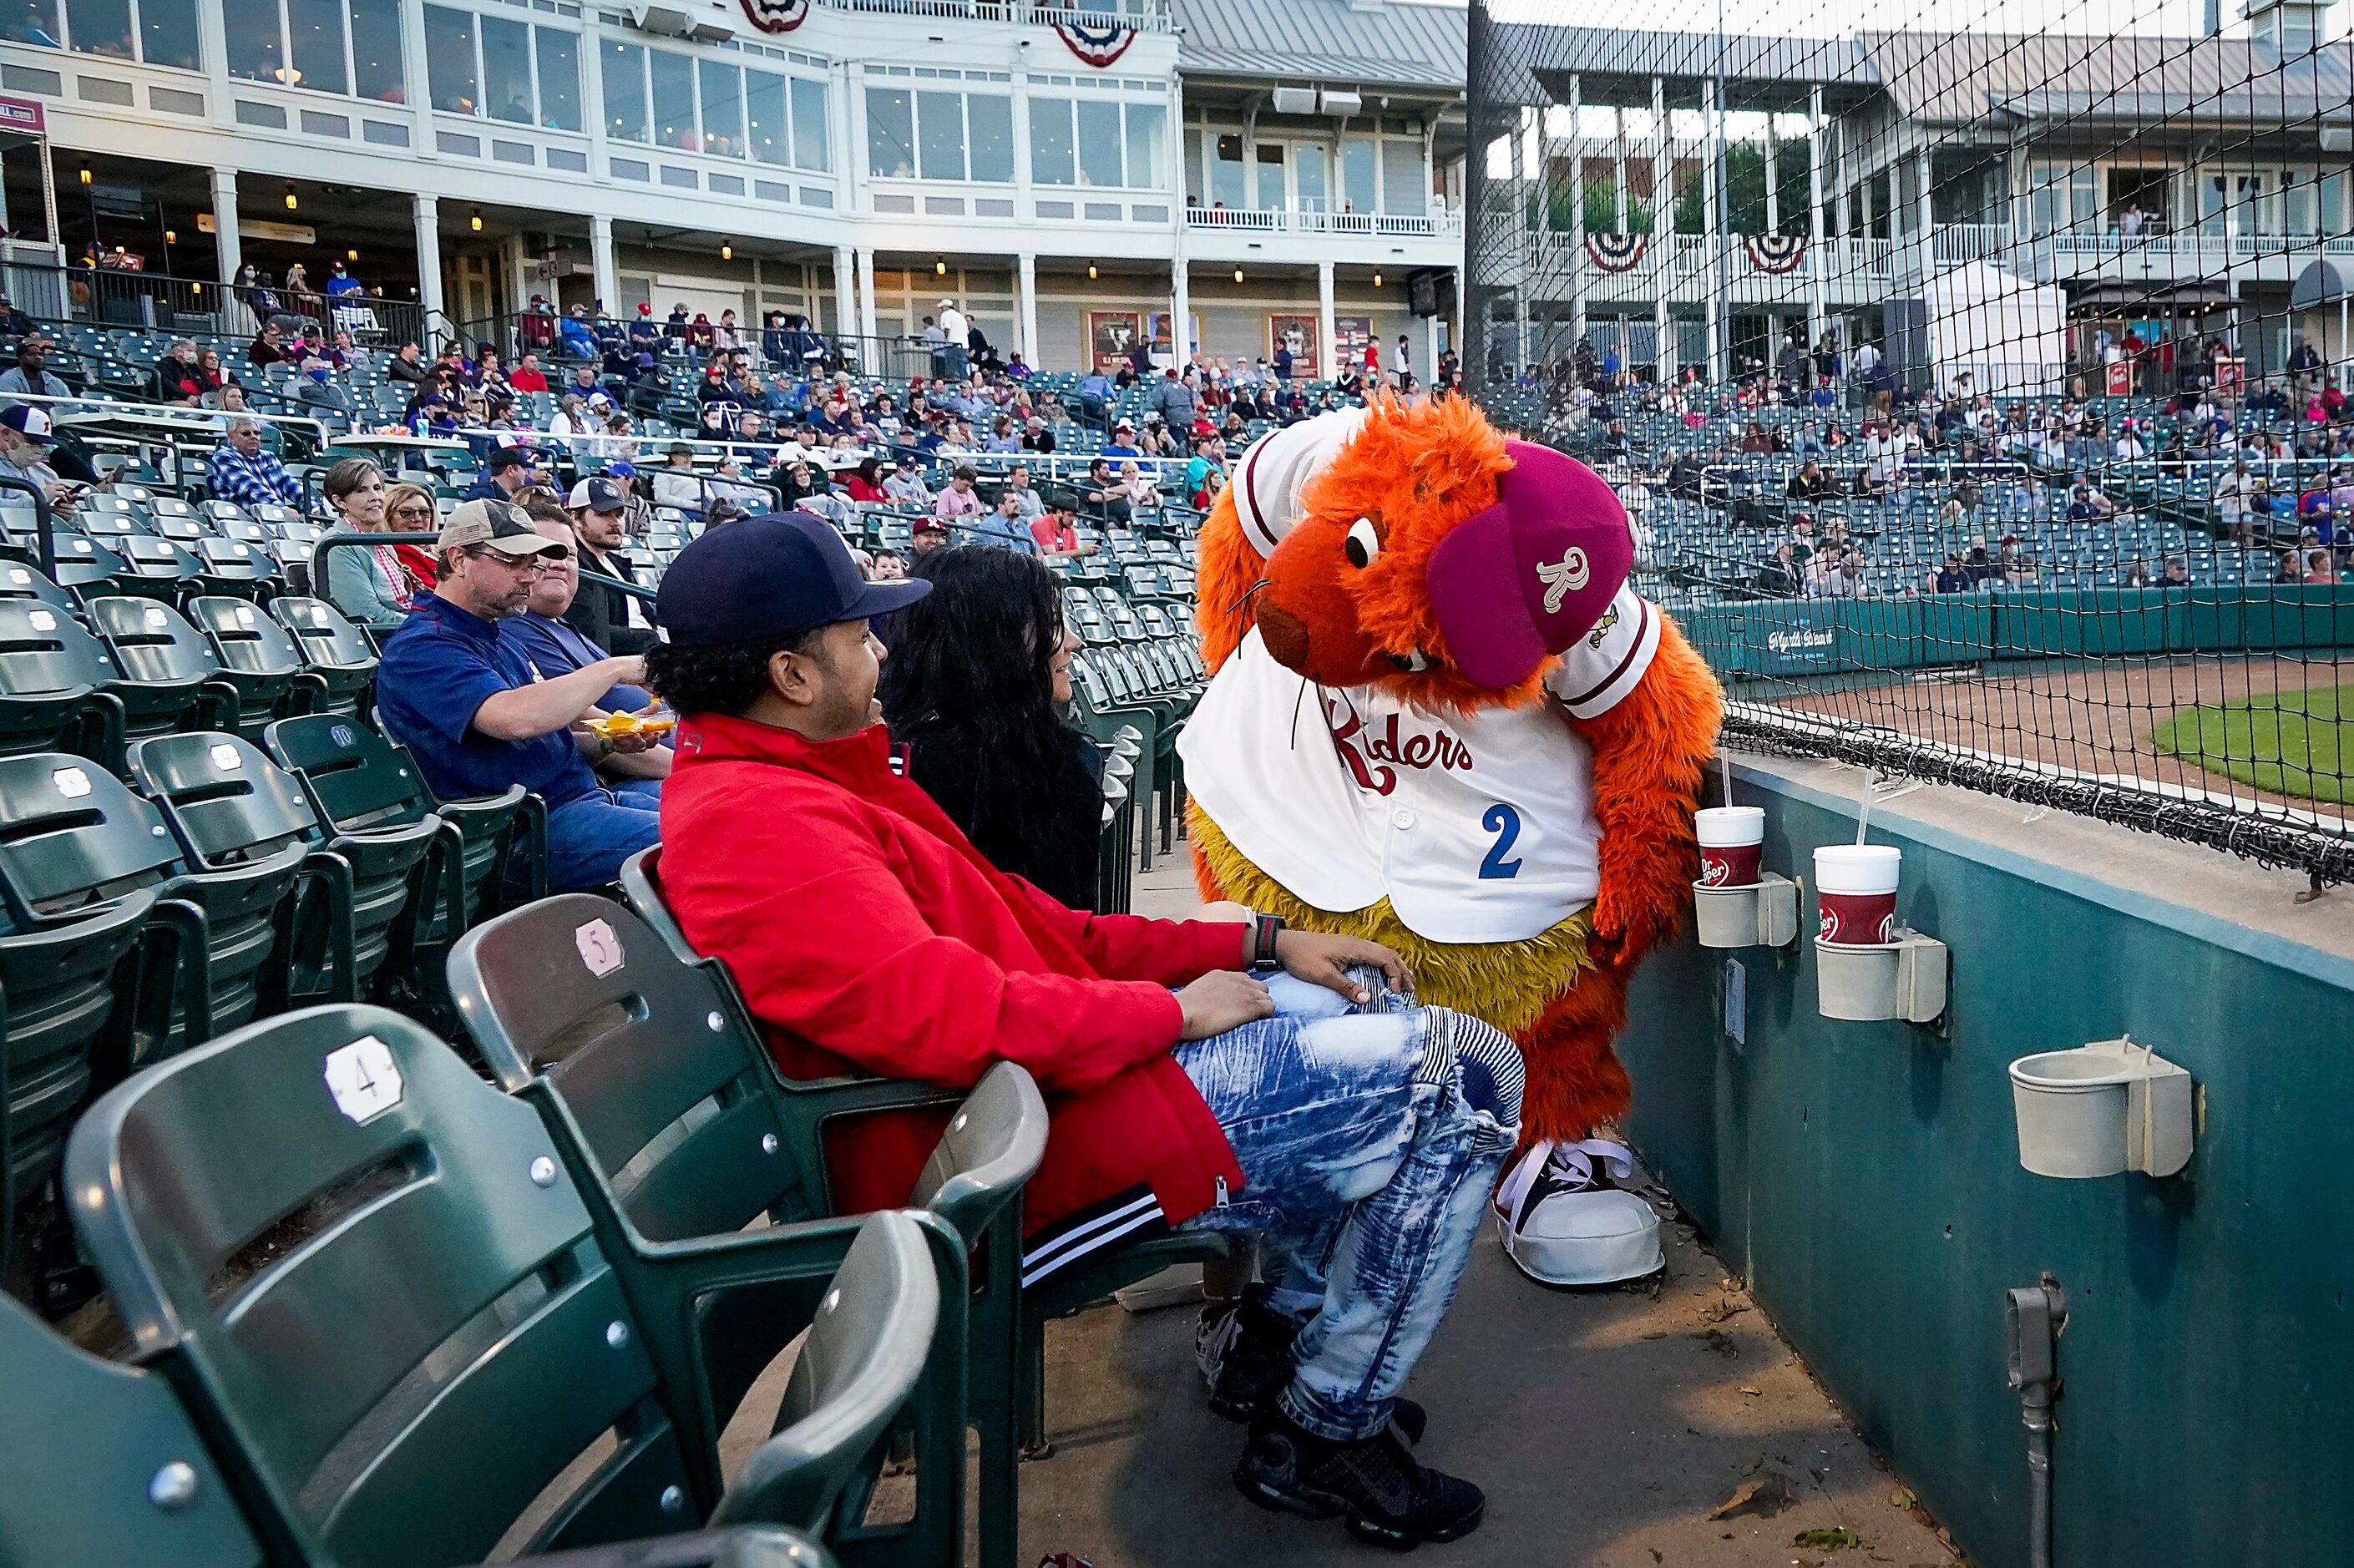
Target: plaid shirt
x,y
259,480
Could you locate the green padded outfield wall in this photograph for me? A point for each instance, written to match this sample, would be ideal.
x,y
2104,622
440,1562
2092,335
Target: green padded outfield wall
x,y
1864,1177
1786,638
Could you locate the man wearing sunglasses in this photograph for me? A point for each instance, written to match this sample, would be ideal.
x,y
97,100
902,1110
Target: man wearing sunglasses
x,y
467,702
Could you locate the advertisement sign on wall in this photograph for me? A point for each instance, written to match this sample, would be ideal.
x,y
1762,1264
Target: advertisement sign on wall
x,y
1298,335
1111,336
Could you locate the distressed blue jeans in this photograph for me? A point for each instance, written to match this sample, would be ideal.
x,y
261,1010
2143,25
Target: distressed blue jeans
x,y
1369,1138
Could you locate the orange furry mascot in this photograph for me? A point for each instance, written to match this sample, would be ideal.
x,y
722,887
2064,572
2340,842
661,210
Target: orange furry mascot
x,y
1440,718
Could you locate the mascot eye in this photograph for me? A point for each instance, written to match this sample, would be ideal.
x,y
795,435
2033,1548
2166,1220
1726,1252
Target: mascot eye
x,y
1363,544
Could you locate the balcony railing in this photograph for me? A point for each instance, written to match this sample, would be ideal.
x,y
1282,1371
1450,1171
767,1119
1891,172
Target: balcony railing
x,y
1285,220
1153,17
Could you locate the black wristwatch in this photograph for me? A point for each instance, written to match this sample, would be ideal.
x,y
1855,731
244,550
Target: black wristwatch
x,y
1264,928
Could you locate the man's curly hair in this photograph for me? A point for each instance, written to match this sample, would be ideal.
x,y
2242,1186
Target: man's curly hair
x,y
724,678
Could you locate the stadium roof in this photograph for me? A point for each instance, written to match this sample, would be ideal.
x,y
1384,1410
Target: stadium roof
x,y
1373,43
1958,78
1615,66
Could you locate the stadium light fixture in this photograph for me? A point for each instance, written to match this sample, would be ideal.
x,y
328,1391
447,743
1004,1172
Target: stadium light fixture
x,y
727,250
1091,271
940,266
1377,279
475,222
1239,274
171,236
291,205
351,255
85,174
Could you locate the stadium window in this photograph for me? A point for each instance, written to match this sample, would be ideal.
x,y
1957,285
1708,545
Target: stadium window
x,y
1099,141
33,22
507,69
890,133
812,145
1148,145
1308,175
766,136
940,131
723,109
1402,179
1053,161
674,99
2297,191
1357,187
1267,160
314,37
990,120
1225,169
558,56
450,56
624,73
100,27
2333,203
167,34
376,71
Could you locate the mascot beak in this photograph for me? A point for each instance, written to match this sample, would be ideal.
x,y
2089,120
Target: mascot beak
x,y
1531,575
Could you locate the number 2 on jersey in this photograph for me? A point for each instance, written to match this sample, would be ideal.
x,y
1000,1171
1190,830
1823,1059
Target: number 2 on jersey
x,y
1504,822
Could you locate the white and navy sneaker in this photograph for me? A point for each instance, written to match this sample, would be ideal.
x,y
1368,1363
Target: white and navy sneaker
x,y
1562,1222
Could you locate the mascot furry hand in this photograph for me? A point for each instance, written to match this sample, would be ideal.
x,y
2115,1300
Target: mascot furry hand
x,y
1441,719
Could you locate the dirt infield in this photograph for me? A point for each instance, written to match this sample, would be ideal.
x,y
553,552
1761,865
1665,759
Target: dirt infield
x,y
2090,717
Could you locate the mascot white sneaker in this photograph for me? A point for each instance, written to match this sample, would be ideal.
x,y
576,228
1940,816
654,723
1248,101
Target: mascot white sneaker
x,y
1562,1223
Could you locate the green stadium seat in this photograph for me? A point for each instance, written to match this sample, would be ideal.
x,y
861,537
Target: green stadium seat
x,y
51,672
688,1131
27,583
808,1104
364,784
235,566
159,569
104,1469
338,653
259,658
298,1221
168,677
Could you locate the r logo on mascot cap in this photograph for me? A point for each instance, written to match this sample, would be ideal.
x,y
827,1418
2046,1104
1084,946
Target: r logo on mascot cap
x,y
1531,575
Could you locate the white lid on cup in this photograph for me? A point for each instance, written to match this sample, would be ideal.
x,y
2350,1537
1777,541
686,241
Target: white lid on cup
x,y
1730,826
1857,868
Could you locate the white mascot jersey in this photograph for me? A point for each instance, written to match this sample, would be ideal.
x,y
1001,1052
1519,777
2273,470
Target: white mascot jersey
x,y
1477,830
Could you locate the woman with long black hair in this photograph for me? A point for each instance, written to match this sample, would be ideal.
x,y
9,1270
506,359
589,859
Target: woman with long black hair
x,y
977,673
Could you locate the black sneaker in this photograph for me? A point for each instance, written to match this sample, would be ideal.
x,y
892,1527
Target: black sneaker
x,y
1386,1498
1243,1351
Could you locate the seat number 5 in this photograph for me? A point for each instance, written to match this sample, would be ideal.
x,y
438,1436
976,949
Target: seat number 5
x,y
1504,822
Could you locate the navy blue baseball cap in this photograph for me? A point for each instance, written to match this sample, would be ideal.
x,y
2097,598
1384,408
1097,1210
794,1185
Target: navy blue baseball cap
x,y
768,579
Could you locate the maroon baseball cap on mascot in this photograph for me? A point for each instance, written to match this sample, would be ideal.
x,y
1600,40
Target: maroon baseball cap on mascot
x,y
1521,580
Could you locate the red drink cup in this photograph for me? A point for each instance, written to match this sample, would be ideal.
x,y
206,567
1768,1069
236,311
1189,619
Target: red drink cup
x,y
1730,839
1856,889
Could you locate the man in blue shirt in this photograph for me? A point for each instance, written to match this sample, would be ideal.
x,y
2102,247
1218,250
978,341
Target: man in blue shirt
x,y
507,472
464,700
551,647
1123,441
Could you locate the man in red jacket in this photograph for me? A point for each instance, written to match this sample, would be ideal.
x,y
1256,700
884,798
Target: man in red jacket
x,y
1359,1133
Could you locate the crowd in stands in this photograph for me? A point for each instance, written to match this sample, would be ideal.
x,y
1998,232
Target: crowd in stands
x,y
1831,454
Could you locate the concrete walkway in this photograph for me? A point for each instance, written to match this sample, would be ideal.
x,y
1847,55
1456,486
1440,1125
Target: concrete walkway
x,y
1605,1427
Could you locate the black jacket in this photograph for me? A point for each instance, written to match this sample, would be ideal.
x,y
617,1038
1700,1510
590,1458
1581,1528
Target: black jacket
x,y
599,614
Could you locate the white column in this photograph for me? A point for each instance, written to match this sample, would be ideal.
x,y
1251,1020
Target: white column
x,y
1426,370
606,274
1578,273
845,291
1026,307
224,236
1525,269
1180,305
1773,178
1328,352
1816,312
867,300
1928,224
1663,234
427,212
1712,144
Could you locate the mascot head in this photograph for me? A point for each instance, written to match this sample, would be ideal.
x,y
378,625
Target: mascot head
x,y
1415,548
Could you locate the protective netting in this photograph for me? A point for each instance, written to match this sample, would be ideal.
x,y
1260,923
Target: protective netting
x,y
1973,371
